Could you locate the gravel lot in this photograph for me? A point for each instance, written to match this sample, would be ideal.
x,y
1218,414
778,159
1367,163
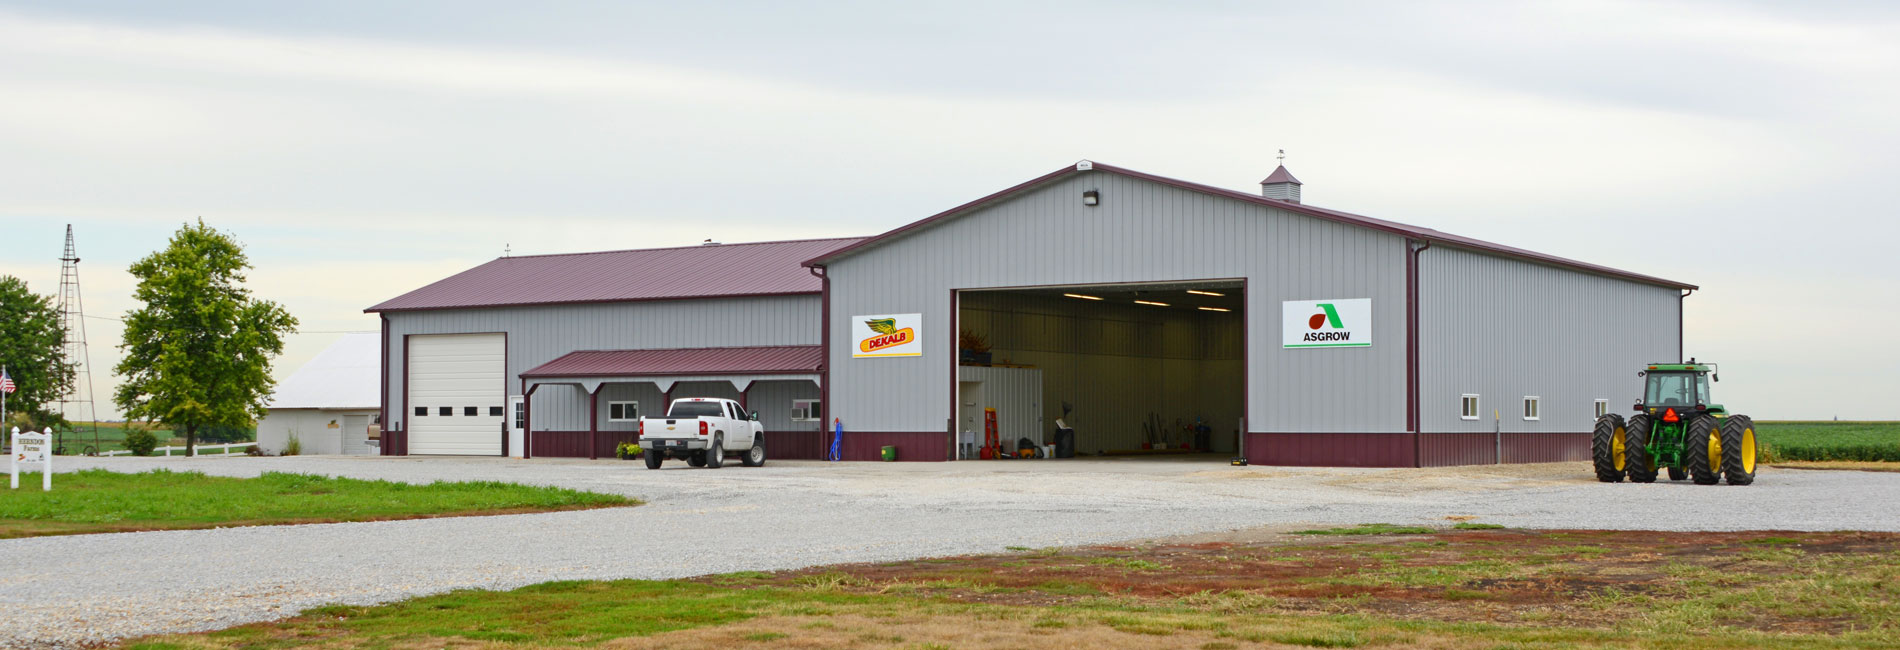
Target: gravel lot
x,y
793,514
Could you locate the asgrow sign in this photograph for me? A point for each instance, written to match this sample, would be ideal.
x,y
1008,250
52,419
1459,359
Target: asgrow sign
x,y
890,335
1339,323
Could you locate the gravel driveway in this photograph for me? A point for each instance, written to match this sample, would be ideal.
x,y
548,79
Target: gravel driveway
x,y
793,514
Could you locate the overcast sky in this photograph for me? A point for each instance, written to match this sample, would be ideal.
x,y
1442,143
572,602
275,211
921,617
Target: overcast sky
x,y
363,149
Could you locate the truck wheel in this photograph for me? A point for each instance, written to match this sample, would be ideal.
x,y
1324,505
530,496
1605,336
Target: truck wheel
x,y
716,454
654,458
1607,448
1738,449
696,459
1636,450
1702,450
755,457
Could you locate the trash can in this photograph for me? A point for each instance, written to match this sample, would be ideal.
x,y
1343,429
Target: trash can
x,y
1065,443
888,453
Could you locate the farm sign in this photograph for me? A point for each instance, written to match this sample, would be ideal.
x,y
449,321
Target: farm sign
x,y
1339,323
29,448
891,335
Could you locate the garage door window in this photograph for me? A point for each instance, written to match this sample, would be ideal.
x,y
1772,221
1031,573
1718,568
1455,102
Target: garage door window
x,y
1468,407
623,411
471,411
445,411
422,411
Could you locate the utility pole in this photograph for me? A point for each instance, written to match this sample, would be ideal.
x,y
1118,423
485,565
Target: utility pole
x,y
72,317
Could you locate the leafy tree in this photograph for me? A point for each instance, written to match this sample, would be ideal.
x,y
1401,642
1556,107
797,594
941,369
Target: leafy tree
x,y
32,347
198,354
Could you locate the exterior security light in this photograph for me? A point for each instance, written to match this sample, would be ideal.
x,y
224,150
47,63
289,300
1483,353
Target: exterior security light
x,y
1151,302
1091,197
1077,295
1213,309
1204,293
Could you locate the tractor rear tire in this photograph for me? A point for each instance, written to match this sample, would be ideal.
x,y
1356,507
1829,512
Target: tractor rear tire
x,y
1607,448
1701,437
1738,449
1642,468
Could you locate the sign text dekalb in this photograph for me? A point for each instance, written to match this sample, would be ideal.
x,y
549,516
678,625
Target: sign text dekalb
x,y
1338,323
889,335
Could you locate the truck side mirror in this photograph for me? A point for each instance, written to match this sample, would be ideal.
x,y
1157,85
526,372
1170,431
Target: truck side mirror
x,y
754,416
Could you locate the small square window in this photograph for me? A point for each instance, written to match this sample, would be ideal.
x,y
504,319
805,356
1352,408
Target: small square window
x,y
445,411
1603,407
494,411
804,410
422,411
471,411
623,411
1468,407
1531,404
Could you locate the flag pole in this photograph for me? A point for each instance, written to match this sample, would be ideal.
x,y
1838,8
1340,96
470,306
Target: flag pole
x,y
3,401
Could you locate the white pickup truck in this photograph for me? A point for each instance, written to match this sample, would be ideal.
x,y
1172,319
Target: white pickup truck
x,y
702,430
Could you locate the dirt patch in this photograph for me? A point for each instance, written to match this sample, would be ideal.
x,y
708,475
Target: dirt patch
x,y
1566,578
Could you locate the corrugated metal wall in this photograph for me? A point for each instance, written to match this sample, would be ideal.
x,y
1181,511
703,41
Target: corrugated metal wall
x,y
537,335
1505,329
1140,232
1117,363
1015,393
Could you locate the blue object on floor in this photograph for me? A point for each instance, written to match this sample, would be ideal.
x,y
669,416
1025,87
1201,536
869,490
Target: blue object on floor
x,y
837,440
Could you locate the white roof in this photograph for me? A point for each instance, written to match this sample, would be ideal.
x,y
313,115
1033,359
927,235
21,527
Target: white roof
x,y
341,376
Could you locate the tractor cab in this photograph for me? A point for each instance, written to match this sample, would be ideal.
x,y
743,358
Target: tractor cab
x,y
1675,392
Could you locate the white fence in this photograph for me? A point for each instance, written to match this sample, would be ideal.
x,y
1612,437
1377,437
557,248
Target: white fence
x,y
201,449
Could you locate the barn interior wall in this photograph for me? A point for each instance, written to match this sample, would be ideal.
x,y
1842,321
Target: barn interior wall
x,y
1117,364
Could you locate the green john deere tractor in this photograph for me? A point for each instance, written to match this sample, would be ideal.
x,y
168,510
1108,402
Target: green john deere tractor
x,y
1677,427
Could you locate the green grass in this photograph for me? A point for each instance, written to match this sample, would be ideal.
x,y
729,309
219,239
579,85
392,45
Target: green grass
x,y
1370,529
98,501
1825,441
1468,525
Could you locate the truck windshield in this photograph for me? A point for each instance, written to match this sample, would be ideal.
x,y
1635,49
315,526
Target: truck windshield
x,y
1674,389
695,410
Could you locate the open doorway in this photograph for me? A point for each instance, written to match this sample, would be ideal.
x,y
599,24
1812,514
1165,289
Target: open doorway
x,y
1137,370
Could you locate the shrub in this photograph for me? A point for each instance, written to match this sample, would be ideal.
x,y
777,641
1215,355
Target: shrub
x,y
140,441
293,446
627,450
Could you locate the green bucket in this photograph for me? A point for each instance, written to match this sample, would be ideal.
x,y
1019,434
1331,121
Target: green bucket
x,y
889,454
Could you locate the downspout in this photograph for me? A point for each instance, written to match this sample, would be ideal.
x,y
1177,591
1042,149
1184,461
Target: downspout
x,y
824,343
1679,301
382,413
1412,402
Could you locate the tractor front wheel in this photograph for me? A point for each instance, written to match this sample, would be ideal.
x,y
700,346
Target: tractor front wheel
x,y
1677,474
1636,451
1702,450
1738,449
1607,448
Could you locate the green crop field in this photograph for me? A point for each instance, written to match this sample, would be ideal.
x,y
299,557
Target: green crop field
x,y
1820,441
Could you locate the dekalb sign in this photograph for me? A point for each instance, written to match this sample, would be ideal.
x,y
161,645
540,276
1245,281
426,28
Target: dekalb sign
x,y
890,335
1339,323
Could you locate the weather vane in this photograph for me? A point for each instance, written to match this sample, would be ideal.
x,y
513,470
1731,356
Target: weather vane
x,y
1282,156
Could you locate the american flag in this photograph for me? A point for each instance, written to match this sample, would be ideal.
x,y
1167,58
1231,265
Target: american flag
x,y
6,383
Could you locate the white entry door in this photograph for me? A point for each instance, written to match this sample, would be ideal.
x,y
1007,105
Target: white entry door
x,y
456,394
517,444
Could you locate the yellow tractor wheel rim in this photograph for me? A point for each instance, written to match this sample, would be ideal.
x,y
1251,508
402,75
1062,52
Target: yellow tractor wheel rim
x,y
1618,449
1715,451
1748,450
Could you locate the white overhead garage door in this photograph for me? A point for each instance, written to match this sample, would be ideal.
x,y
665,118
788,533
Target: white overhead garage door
x,y
456,394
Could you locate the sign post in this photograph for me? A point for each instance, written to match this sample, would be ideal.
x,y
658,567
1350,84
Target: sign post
x,y
33,447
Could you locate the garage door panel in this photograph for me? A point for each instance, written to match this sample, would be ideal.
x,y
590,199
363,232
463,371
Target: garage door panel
x,y
456,371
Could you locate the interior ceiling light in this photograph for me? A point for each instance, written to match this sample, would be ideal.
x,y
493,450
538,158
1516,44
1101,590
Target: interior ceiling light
x,y
1077,295
1204,293
1151,302
1213,309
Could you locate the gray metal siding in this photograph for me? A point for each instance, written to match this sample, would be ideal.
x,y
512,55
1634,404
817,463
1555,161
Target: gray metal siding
x,y
772,400
1141,231
537,335
1505,329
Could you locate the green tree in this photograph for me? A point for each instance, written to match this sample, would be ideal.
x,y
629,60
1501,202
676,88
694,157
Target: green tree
x,y
32,347
198,354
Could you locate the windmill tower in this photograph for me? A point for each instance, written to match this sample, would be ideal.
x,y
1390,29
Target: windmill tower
x,y
76,403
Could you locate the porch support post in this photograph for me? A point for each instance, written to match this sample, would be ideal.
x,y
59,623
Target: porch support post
x,y
593,423
527,422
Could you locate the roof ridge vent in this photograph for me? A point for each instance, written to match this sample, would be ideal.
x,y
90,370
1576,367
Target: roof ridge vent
x,y
1281,184
709,242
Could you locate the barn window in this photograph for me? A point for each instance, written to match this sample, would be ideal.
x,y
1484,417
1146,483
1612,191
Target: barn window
x,y
1603,407
623,411
445,411
422,411
804,410
1531,404
1468,407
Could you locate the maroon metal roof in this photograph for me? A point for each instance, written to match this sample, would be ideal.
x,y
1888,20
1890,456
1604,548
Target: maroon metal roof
x,y
751,269
1281,175
1414,232
773,360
